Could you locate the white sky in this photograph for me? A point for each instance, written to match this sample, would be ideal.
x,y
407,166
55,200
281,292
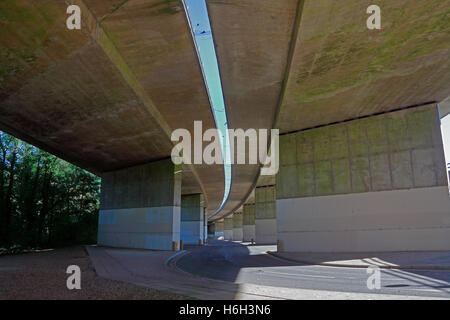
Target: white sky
x,y
445,129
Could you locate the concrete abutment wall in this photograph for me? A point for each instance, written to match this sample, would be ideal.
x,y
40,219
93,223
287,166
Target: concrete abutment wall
x,y
373,184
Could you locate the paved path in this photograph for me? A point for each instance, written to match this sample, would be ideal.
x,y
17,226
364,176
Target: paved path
x,y
239,263
156,269
426,260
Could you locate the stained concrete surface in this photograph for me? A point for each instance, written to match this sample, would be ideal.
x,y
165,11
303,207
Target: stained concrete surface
x,y
397,150
373,184
340,70
140,207
106,97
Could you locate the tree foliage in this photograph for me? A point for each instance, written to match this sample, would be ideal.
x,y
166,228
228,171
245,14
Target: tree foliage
x,y
44,201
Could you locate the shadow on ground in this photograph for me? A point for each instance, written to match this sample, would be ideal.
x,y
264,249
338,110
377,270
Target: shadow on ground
x,y
238,263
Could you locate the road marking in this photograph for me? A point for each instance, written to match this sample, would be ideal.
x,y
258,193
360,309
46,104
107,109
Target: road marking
x,y
300,275
432,290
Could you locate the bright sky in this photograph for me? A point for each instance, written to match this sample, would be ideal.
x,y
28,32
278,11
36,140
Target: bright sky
x,y
445,129
201,29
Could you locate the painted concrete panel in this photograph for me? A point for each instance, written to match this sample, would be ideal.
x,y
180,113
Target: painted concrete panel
x,y
265,202
228,223
397,220
392,151
237,219
265,215
362,185
192,228
150,185
191,232
237,234
218,226
218,229
228,228
266,231
248,233
219,235
190,207
228,234
249,214
146,228
140,207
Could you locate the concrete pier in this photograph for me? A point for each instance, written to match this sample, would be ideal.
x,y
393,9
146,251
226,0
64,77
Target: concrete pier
x,y
248,223
228,228
373,184
192,219
140,207
219,229
237,225
265,215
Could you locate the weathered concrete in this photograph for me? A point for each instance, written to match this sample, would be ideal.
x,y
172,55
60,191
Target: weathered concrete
x,y
375,184
205,227
108,96
228,228
340,70
192,219
253,38
218,229
248,222
265,215
444,107
237,226
140,207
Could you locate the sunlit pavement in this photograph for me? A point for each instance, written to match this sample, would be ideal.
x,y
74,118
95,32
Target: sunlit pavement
x,y
157,269
242,263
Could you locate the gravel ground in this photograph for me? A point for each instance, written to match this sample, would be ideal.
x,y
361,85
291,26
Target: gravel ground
x,y
42,275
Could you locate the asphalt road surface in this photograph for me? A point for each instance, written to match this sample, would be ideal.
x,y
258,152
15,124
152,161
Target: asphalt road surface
x,y
239,263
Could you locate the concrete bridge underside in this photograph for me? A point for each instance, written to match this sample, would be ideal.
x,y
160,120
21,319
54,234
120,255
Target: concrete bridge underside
x,y
108,96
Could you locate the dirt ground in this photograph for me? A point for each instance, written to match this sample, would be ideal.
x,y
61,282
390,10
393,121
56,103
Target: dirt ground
x,y
42,275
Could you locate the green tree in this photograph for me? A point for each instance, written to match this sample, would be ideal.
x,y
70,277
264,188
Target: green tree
x,y
44,201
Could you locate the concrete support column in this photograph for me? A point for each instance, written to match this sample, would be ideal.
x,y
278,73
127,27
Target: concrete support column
x,y
237,226
205,227
373,184
248,222
265,215
140,207
192,219
219,229
228,228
